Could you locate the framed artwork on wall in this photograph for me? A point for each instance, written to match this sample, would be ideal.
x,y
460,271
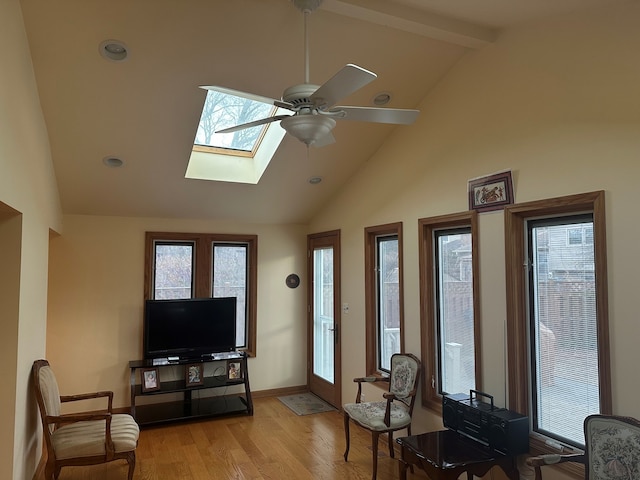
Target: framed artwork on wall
x,y
492,192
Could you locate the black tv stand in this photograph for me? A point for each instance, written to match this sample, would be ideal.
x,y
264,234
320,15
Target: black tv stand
x,y
190,407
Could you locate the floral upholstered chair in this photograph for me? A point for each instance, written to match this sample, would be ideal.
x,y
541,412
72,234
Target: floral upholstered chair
x,y
391,414
612,449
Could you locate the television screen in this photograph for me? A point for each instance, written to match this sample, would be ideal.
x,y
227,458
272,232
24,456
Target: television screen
x,y
189,328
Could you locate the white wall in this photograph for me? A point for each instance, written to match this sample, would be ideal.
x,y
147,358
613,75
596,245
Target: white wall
x,y
30,209
96,301
558,104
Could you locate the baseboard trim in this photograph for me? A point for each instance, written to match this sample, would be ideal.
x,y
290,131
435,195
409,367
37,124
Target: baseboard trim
x,y
279,392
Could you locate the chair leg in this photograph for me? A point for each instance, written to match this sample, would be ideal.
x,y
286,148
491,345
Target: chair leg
x,y
390,436
49,470
374,448
346,434
131,460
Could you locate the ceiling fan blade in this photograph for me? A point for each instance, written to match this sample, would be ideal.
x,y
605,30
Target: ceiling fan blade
x,y
255,123
349,79
249,96
378,115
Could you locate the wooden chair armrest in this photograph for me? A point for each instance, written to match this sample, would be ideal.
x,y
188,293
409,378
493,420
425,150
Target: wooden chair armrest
x,y
68,418
89,396
369,379
76,417
554,458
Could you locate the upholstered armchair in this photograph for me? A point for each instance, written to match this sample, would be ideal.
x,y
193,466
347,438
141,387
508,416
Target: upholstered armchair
x,y
612,450
394,412
81,438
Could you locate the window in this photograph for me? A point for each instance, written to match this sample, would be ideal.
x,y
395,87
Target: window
x,y
230,280
579,235
241,156
222,110
557,320
383,286
449,306
173,269
183,265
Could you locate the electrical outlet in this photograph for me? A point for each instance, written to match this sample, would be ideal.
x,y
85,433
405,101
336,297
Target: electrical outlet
x,y
362,397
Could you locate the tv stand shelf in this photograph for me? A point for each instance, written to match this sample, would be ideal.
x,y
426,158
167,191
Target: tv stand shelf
x,y
190,407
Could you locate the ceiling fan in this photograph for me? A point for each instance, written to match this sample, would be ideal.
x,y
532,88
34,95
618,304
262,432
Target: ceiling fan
x,y
314,107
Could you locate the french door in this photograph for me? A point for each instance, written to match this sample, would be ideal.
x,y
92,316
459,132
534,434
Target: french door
x,y
323,297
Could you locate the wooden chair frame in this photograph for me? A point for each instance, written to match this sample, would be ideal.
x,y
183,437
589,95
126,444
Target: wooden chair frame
x,y
51,422
583,458
390,398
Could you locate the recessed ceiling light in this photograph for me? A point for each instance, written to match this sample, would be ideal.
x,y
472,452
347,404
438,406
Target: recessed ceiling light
x,y
315,180
112,162
114,50
382,98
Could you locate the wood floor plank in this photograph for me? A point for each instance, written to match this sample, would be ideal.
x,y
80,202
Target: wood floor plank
x,y
273,444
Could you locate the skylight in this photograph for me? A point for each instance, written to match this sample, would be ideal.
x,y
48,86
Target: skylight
x,y
240,156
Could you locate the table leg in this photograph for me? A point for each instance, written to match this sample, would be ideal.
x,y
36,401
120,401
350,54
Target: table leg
x,y
402,469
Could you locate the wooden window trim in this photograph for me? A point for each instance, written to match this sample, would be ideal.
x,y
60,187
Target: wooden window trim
x,y
517,349
426,227
370,235
203,273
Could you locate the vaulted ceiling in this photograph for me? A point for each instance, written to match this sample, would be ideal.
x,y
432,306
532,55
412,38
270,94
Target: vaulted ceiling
x,y
145,109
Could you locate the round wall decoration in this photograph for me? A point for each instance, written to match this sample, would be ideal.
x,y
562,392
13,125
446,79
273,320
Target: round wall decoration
x,y
292,280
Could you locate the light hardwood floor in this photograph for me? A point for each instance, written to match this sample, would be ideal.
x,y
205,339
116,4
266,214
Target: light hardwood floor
x,y
273,444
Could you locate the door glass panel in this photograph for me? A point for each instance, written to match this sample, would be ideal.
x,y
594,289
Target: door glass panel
x,y
323,321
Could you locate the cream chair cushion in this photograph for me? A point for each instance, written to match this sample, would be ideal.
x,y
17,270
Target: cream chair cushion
x,y
86,439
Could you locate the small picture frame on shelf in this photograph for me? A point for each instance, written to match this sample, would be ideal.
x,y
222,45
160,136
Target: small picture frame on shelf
x,y
150,380
234,370
194,375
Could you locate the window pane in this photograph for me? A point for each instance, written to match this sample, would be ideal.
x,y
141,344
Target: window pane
x,y
564,329
230,280
388,301
173,271
456,342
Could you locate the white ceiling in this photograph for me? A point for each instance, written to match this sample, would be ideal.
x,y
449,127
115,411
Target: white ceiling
x,y
145,110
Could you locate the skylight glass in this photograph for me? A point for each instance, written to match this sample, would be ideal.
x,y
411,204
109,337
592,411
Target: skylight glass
x,y
222,110
239,157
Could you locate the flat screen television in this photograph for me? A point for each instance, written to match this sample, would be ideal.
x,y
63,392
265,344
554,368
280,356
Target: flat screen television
x,y
189,328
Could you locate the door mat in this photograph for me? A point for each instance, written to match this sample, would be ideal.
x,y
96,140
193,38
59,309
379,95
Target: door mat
x,y
306,404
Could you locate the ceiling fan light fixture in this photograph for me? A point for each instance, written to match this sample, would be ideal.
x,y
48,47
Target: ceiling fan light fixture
x,y
307,5
308,128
